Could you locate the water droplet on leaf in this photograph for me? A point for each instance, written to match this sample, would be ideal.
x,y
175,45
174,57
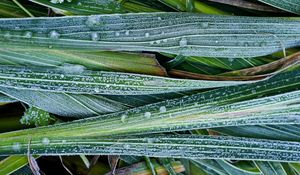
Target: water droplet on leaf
x,y
16,146
45,141
183,42
123,118
54,34
28,34
147,115
95,36
162,109
204,25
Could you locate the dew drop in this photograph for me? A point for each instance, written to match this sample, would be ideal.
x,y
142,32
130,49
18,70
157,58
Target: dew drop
x,y
7,35
45,141
183,42
92,22
117,34
72,69
147,115
16,146
123,118
79,4
204,25
127,33
147,35
165,40
126,146
246,44
150,140
162,109
230,59
54,34
97,90
253,91
158,42
159,18
28,34
95,36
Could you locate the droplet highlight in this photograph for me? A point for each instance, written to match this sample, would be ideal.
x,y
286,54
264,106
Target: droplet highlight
x,y
95,36
123,118
54,34
162,109
183,42
28,34
16,146
147,115
45,141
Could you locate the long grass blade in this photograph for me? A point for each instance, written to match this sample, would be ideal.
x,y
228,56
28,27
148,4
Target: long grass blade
x,y
177,146
177,33
75,79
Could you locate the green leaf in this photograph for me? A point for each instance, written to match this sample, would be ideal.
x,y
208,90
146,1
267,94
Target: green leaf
x,y
296,167
232,170
177,146
89,7
192,5
176,33
208,166
109,61
83,7
280,132
13,163
8,9
270,168
6,99
75,79
63,104
141,168
288,5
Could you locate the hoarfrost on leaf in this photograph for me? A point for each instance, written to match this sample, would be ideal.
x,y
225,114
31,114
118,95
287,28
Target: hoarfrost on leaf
x,y
35,116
